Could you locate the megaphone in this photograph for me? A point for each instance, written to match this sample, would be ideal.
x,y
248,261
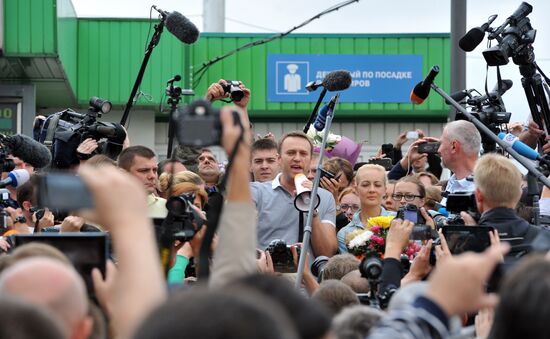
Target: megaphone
x,y
303,195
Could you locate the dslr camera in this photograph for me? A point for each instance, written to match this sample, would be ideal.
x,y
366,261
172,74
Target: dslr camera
x,y
411,213
233,88
182,221
281,256
198,124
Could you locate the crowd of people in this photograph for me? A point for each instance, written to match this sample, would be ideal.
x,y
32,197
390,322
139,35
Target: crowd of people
x,y
241,226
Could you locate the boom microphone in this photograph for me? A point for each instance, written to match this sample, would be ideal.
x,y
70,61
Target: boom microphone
x,y
16,178
28,150
180,26
334,81
337,80
422,89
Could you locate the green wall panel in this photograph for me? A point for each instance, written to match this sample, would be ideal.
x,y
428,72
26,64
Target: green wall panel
x,y
67,40
110,52
29,27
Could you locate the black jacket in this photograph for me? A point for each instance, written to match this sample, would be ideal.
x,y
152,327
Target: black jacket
x,y
506,222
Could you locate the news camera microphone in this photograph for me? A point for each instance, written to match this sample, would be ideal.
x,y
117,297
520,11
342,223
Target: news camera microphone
x,y
15,178
321,119
505,85
421,91
475,36
179,26
519,146
28,150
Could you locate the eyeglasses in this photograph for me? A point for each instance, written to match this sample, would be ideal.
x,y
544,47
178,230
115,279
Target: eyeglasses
x,y
407,196
345,207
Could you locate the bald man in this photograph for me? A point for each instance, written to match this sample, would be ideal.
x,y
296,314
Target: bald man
x,y
54,285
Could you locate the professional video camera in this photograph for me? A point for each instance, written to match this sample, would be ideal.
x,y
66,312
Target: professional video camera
x,y
514,37
62,132
489,109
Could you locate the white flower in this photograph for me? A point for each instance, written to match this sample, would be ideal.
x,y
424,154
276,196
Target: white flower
x,y
311,132
360,239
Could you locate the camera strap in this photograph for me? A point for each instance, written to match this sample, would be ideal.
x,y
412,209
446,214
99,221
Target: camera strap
x,y
52,127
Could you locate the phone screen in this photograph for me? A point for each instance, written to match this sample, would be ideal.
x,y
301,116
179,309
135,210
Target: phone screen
x,y
411,216
85,251
64,192
467,238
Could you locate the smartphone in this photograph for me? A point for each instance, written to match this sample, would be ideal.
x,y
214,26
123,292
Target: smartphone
x,y
412,135
86,251
467,238
327,174
64,192
428,147
387,149
384,162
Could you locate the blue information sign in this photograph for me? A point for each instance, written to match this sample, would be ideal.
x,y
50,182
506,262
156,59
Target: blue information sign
x,y
375,78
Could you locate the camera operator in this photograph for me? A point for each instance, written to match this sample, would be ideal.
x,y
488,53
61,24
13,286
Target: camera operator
x,y
498,191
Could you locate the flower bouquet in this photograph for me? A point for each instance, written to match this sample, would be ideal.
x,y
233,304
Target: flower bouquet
x,y
316,138
372,240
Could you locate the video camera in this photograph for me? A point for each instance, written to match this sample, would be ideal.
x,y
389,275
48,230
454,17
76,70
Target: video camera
x,y
489,109
514,37
62,132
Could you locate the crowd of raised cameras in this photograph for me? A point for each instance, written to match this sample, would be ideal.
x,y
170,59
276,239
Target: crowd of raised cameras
x,y
394,252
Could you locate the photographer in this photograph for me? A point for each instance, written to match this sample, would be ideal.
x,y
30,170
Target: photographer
x,y
498,191
221,90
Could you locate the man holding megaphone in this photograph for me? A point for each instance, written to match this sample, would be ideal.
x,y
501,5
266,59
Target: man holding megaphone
x,y
281,201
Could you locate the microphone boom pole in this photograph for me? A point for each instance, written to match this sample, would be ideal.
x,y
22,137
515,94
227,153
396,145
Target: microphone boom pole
x,y
485,130
152,44
307,226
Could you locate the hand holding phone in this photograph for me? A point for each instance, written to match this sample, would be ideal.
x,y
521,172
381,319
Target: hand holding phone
x,y
412,135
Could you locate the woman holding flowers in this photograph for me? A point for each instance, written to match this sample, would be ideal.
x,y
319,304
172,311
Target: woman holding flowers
x,y
370,185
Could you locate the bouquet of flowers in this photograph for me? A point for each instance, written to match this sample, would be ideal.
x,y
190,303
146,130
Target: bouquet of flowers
x,y
316,138
372,240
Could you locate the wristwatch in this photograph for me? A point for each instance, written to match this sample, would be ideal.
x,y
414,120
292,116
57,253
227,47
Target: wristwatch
x,y
315,213
20,219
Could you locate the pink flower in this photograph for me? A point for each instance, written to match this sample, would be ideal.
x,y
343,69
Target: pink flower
x,y
375,229
377,240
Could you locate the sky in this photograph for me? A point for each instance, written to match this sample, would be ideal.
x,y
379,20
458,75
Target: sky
x,y
364,16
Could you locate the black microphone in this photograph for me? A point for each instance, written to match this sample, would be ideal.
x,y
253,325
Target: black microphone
x,y
181,27
337,80
459,96
475,36
28,150
472,39
334,81
422,89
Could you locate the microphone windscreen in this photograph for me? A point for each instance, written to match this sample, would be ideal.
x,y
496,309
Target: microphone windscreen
x,y
30,151
337,80
182,28
472,39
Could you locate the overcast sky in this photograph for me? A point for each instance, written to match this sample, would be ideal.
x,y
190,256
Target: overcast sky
x,y
365,16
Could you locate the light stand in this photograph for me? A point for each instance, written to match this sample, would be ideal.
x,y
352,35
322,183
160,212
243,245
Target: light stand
x,y
485,130
307,226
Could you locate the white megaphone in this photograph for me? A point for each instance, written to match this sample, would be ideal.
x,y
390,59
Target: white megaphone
x,y
303,195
